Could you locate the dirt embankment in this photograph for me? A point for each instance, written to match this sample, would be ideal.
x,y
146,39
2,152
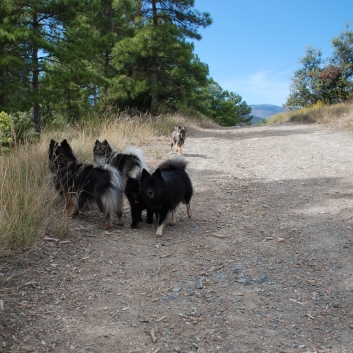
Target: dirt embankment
x,y
264,265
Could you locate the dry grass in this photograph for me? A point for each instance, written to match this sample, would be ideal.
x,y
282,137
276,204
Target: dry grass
x,y
318,113
29,203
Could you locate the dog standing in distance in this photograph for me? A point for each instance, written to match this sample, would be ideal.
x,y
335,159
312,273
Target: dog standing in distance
x,y
83,184
163,190
178,139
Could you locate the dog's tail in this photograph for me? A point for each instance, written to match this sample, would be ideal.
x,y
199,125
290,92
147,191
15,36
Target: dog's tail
x,y
173,164
138,153
113,197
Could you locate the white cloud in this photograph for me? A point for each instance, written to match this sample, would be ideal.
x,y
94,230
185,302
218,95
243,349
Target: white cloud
x,y
263,87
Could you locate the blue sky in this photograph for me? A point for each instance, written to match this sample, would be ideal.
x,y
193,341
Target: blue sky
x,y
253,46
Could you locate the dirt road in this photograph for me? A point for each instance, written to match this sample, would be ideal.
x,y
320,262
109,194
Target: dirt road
x,y
264,265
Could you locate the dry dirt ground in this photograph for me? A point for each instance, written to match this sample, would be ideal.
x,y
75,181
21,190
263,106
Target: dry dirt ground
x,y
264,265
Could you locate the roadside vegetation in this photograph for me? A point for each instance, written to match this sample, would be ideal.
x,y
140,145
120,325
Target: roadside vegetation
x,y
318,113
321,89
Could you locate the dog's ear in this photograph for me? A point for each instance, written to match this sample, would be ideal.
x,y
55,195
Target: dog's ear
x,y
67,148
105,142
158,173
97,142
52,147
144,173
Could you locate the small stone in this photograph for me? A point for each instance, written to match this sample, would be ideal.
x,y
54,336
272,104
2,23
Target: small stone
x,y
262,278
190,286
336,305
237,268
351,326
198,284
221,277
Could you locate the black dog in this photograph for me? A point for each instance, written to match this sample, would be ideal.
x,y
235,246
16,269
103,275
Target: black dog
x,y
83,184
163,190
137,204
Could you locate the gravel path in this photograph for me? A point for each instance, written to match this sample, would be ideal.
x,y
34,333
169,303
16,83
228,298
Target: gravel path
x,y
264,265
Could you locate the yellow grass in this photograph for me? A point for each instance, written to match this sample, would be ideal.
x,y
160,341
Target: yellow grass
x,y
318,113
30,206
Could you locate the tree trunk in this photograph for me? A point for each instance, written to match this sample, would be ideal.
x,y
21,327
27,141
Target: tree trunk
x,y
2,73
154,70
106,70
35,77
108,52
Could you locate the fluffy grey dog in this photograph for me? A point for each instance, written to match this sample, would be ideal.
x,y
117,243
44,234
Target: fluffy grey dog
x,y
178,139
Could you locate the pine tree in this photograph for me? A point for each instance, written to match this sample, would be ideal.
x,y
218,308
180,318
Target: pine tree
x,y
165,19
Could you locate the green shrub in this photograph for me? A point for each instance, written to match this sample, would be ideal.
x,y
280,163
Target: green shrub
x,y
16,128
23,127
5,130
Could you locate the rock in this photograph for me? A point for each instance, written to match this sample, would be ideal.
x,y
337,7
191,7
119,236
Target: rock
x,y
198,284
262,278
237,268
190,286
336,305
221,276
169,297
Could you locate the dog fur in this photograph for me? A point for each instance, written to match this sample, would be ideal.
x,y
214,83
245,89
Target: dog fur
x,y
130,163
178,139
137,204
84,184
165,189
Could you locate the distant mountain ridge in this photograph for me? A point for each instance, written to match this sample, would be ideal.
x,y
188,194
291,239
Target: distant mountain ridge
x,y
264,111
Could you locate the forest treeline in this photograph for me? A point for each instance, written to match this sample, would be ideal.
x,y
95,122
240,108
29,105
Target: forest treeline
x,y
60,59
324,80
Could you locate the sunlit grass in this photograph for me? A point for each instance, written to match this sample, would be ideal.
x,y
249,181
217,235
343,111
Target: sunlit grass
x,y
319,113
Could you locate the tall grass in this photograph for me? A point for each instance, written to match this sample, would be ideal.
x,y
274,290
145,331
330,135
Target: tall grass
x,y
30,207
319,113
25,198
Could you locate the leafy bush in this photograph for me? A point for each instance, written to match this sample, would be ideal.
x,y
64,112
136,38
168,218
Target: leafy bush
x,y
16,128
5,130
24,127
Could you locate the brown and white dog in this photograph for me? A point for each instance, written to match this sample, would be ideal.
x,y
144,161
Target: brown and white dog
x,y
178,139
